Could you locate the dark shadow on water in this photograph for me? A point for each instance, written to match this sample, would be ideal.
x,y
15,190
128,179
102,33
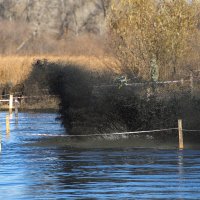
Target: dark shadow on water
x,y
154,141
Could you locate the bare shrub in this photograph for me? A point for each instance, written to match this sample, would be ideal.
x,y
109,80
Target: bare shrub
x,y
150,36
17,38
12,34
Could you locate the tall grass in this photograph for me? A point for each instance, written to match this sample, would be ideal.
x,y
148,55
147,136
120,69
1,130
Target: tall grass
x,y
16,69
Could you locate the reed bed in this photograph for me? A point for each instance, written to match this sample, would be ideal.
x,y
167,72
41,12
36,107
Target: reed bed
x,y
16,69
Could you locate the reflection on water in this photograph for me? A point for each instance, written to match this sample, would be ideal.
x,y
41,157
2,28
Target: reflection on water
x,y
29,170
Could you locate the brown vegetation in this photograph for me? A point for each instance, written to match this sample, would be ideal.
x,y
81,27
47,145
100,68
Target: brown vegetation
x,y
142,34
154,36
18,38
160,33
15,69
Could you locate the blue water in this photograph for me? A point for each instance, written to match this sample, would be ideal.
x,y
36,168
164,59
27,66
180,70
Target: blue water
x,y
34,167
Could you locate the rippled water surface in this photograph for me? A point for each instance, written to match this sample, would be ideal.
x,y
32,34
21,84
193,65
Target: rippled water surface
x,y
34,166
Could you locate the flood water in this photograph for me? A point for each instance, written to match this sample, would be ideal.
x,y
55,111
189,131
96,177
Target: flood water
x,y
35,166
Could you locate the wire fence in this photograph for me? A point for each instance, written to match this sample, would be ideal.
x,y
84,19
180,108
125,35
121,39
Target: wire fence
x,y
109,134
191,82
125,82
177,134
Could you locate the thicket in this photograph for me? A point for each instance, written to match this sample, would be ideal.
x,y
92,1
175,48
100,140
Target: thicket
x,y
153,39
87,106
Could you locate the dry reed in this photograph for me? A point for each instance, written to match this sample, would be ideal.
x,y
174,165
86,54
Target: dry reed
x,y
15,69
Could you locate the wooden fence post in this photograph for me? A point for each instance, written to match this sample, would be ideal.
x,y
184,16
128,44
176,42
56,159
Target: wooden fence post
x,y
191,84
11,104
16,103
182,81
180,133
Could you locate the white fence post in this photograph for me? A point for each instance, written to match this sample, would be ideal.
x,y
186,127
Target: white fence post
x,y
11,104
180,133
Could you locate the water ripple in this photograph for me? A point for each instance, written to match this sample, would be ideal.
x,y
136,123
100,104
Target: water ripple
x,y
52,171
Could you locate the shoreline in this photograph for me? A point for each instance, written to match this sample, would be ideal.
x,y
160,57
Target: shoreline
x,y
37,110
50,105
